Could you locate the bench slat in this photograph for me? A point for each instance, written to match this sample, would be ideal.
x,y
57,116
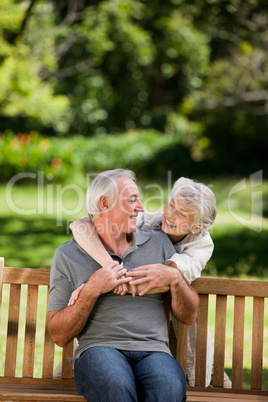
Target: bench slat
x,y
219,349
30,331
201,341
66,365
181,350
12,330
49,348
257,343
238,342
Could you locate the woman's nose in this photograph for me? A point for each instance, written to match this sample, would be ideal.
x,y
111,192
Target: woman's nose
x,y
139,206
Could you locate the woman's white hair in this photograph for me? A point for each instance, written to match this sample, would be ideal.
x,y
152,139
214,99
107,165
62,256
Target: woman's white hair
x,y
104,184
198,197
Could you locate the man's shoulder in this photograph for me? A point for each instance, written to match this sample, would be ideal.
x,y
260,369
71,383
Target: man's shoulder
x,y
69,249
67,246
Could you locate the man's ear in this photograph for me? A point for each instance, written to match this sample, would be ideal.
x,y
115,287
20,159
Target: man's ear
x,y
104,204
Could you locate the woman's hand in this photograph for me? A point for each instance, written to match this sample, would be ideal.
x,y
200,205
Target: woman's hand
x,y
155,275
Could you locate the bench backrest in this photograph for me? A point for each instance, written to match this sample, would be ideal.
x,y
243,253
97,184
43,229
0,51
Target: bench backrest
x,y
33,279
223,289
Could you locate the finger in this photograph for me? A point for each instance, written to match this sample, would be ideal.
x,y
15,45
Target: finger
x,y
124,289
120,273
112,264
133,290
138,272
146,290
135,281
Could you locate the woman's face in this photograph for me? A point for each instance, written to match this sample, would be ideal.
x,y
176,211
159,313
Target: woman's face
x,y
178,220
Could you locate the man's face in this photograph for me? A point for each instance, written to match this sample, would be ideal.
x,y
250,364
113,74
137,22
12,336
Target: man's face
x,y
126,207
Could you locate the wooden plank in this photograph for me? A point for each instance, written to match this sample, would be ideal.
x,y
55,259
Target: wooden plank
x,y
39,393
257,343
26,276
201,341
219,346
181,350
207,396
30,331
1,280
49,349
67,352
231,287
238,342
12,330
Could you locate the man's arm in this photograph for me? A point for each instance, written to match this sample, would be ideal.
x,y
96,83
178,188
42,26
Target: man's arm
x,y
67,323
184,300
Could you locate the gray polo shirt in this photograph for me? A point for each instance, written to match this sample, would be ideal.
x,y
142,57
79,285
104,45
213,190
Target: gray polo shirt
x,y
123,322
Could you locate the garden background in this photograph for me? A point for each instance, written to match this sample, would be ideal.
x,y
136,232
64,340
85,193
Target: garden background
x,y
167,89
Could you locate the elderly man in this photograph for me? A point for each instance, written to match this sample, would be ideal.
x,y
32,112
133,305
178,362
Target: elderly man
x,y
123,352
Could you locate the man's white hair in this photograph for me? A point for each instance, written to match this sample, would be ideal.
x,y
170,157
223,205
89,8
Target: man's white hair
x,y
198,197
104,184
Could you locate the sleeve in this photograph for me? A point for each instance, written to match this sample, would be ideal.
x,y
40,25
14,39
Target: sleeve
x,y
193,258
149,221
60,285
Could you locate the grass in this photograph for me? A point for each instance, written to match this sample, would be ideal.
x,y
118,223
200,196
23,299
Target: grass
x,y
35,221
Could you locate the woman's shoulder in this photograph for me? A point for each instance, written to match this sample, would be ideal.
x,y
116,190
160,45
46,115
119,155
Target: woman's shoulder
x,y
200,238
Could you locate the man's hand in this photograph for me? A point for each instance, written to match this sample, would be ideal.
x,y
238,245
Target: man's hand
x,y
109,277
156,275
120,289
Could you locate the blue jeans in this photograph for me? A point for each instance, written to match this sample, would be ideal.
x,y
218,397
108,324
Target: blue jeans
x,y
105,374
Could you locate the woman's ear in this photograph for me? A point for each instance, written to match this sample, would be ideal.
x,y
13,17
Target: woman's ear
x,y
104,204
196,229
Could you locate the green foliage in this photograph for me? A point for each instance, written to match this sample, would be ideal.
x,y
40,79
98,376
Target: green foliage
x,y
32,153
102,67
63,157
23,92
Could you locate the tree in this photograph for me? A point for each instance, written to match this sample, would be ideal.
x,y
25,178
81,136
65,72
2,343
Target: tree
x,y
25,97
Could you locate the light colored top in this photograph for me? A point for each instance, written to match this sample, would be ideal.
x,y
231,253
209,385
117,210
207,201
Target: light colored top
x,y
192,252
128,323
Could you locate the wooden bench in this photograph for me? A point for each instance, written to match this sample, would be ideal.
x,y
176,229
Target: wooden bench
x,y
22,330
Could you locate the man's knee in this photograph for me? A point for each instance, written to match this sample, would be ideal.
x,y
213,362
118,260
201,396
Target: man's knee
x,y
176,385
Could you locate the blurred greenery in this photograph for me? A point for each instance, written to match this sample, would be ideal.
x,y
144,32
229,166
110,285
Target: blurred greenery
x,y
197,71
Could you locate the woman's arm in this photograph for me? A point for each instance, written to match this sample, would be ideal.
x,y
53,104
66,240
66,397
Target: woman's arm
x,y
192,256
87,237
